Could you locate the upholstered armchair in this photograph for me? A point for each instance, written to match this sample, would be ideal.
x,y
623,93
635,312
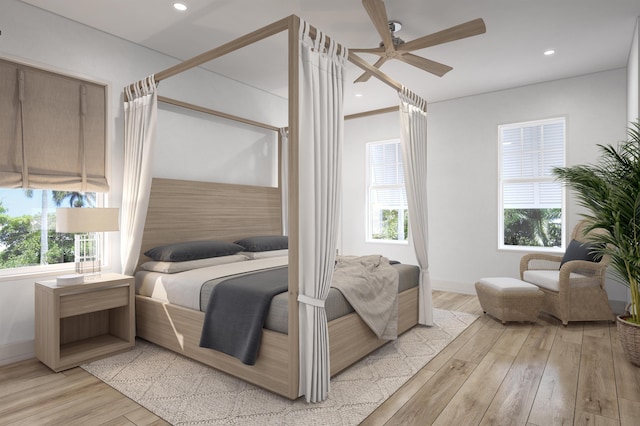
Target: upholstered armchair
x,y
573,284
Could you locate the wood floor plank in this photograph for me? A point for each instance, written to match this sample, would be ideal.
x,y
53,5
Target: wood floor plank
x,y
629,412
109,407
118,421
27,383
513,400
395,402
512,339
481,342
471,306
448,352
26,369
468,405
449,301
590,419
571,333
28,409
427,404
597,393
555,400
143,417
627,375
47,396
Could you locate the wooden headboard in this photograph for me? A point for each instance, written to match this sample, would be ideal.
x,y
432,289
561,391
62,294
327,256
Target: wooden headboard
x,y
181,210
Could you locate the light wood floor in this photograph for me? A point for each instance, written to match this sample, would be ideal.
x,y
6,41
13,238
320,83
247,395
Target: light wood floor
x,y
520,374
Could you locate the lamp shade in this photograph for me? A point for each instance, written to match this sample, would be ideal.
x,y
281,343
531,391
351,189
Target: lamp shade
x,y
81,220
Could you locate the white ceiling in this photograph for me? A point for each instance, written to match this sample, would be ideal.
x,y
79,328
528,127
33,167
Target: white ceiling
x,y
588,36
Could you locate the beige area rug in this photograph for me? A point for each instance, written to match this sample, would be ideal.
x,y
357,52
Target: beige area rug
x,y
185,392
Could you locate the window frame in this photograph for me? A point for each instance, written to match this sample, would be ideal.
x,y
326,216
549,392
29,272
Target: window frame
x,y
102,198
549,179
368,187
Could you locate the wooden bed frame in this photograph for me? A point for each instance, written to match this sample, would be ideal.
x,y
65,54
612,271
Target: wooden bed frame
x,y
186,210
183,211
178,329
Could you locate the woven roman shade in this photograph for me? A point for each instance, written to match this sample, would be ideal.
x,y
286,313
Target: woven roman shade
x,y
52,131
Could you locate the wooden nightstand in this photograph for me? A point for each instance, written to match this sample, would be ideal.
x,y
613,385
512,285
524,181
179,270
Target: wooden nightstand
x,y
83,322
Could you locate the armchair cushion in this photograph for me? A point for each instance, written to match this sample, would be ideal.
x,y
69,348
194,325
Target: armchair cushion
x,y
579,251
550,279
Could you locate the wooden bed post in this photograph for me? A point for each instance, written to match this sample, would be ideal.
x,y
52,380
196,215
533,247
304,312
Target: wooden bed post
x,y
293,203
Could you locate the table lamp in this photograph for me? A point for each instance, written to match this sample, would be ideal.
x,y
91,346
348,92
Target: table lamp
x,y
88,225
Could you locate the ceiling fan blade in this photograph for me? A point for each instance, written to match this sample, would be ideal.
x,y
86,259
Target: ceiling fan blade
x,y
468,29
378,14
374,50
365,76
427,65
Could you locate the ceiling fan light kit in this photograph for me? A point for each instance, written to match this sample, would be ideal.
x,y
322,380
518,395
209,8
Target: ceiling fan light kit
x,y
393,47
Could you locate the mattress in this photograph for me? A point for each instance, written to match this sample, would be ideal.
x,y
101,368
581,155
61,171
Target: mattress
x,y
192,289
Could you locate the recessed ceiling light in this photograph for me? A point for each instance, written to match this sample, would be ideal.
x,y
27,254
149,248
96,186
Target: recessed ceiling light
x,y
549,52
180,6
358,95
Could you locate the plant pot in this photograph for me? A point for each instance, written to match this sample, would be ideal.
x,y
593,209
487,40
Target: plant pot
x,y
629,336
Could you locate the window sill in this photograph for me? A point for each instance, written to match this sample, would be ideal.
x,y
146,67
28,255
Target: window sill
x,y
394,242
35,273
526,249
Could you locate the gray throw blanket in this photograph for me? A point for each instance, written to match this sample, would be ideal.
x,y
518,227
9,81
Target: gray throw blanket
x,y
370,285
237,310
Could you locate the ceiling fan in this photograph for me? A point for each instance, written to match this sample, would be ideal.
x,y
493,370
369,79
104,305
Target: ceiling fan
x,y
393,47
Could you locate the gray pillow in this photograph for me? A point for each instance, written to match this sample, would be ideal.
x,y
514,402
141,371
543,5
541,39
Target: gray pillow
x,y
192,250
264,243
579,251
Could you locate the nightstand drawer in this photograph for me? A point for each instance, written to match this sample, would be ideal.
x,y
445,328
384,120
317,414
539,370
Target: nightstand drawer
x,y
98,300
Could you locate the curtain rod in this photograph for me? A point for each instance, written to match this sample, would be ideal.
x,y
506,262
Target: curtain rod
x,y
229,47
372,112
193,107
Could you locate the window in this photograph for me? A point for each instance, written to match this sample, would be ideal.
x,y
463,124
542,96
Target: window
x,y
28,237
531,200
53,143
387,214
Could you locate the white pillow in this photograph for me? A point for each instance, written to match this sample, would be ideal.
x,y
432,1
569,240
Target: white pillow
x,y
252,255
173,267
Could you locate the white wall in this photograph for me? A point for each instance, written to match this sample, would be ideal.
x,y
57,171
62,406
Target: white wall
x,y
214,149
43,39
633,77
463,170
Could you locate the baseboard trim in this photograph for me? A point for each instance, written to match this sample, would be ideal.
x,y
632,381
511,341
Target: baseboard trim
x,y
454,287
16,351
617,306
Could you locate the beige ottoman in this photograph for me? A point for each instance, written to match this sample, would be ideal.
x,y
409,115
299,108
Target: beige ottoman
x,y
509,299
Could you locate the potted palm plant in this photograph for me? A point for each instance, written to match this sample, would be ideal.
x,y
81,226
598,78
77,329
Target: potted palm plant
x,y
610,191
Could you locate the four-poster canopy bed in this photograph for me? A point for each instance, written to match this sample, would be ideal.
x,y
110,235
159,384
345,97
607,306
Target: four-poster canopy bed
x,y
181,211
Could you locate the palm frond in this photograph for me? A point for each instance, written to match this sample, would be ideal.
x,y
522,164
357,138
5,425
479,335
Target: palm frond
x,y
610,191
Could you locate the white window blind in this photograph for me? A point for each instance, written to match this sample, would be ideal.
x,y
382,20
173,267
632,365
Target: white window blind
x,y
530,151
385,188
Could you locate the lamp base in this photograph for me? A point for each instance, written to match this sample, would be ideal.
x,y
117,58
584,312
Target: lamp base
x,y
70,279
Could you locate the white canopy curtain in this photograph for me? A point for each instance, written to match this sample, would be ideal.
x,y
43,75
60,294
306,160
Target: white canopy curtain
x,y
413,139
140,117
321,118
